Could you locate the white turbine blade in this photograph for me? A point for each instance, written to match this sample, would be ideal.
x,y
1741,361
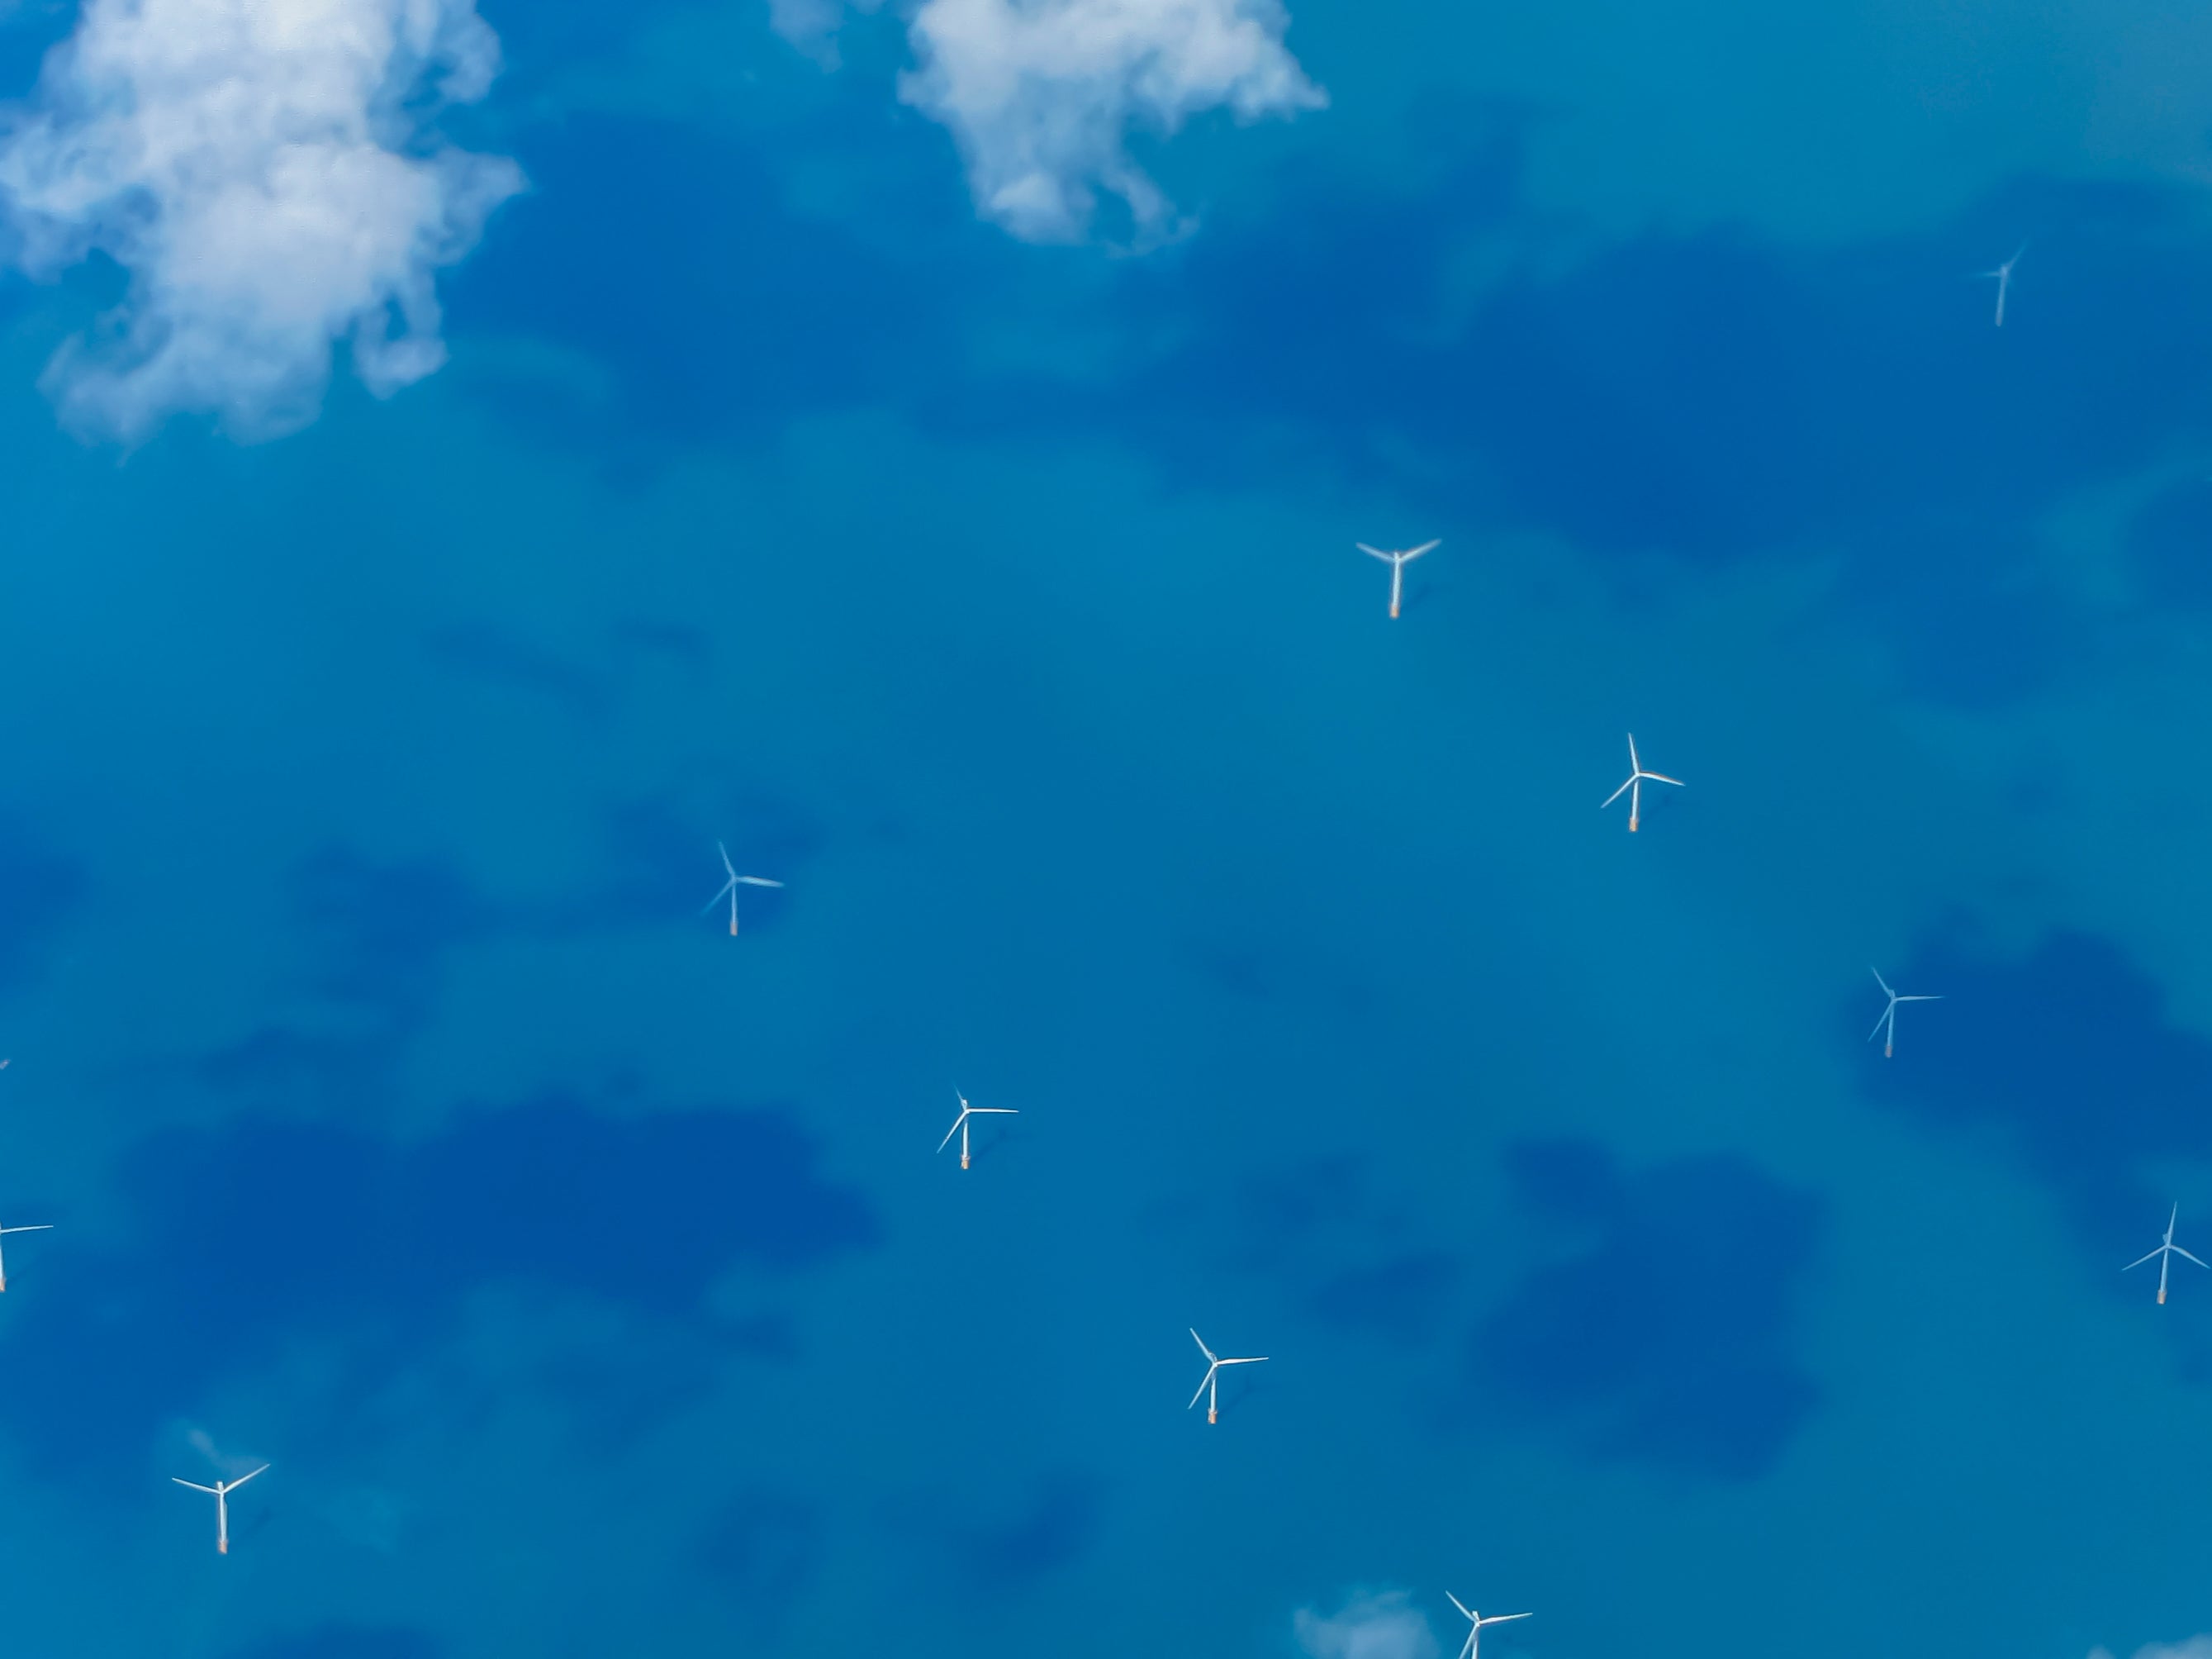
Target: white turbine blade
x,y
1461,1605
725,888
1424,548
1878,1025
1880,981
194,1485
1201,1394
1505,1618
954,1130
233,1486
755,881
1614,796
1376,553
2184,1255
43,1227
726,865
1003,1111
2140,1260
1923,997
1257,1360
1202,1348
1661,777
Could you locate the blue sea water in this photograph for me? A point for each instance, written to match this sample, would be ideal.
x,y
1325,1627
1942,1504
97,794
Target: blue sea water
x,y
586,1275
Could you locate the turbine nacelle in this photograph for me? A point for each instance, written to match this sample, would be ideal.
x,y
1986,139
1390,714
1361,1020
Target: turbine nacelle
x,y
1637,777
1397,561
960,1124
1888,1023
730,888
2002,275
222,1489
1209,1387
2166,1250
1475,1623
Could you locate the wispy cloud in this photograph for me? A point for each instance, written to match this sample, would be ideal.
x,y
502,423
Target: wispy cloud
x,y
1043,95
270,178
2196,1647
1369,1626
811,25
227,1466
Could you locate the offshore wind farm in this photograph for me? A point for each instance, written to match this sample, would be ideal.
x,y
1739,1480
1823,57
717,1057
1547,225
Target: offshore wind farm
x,y
607,605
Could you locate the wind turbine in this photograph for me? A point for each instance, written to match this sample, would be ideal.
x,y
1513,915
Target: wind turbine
x,y
1475,1622
1211,1387
1397,561
1888,1021
731,887
2166,1252
1637,777
960,1124
2003,275
221,1489
43,1227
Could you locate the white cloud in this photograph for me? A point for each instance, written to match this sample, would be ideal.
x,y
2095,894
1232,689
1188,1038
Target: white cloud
x,y
1383,1626
265,172
2197,1647
1042,95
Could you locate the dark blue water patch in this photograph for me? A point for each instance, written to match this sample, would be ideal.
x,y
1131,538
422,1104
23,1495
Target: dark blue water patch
x,y
1056,1529
349,1642
1567,1177
2168,545
1969,613
1667,1341
372,939
258,1233
344,1071
1240,967
489,652
1241,961
1709,395
628,1393
2068,1051
1282,1217
1401,1298
41,890
636,639
376,933
763,1550
669,257
1354,1255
